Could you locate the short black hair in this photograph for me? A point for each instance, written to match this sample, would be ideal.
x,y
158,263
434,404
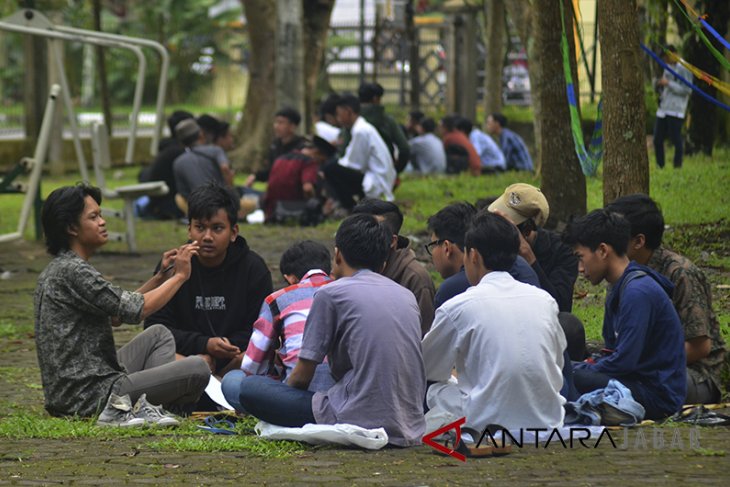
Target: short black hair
x,y
207,199
349,100
290,114
416,115
210,125
495,238
452,221
500,119
61,210
449,122
597,227
644,216
368,91
363,241
329,105
428,125
392,216
464,125
304,256
175,118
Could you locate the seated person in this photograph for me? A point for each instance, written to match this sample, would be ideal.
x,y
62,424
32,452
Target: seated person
x,y
374,351
216,131
164,207
553,261
516,155
502,337
401,264
286,140
489,152
277,334
460,153
642,333
366,168
325,124
692,297
372,110
75,309
427,150
294,175
448,228
213,313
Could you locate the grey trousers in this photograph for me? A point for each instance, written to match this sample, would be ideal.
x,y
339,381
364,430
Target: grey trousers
x,y
152,369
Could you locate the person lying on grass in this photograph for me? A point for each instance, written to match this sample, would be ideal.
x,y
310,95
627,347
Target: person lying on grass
x,y
75,309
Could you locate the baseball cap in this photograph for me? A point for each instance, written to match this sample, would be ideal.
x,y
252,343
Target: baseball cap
x,y
186,128
521,202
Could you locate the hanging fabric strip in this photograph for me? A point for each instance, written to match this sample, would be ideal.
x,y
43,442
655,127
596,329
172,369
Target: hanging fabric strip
x,y
680,78
715,33
698,29
589,158
699,74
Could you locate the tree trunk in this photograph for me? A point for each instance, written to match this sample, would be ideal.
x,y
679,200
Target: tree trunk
x,y
520,12
255,128
317,15
290,56
563,181
101,69
494,40
703,115
625,159
414,57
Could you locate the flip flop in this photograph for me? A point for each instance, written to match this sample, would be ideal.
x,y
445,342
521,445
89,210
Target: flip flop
x,y
218,426
471,450
701,416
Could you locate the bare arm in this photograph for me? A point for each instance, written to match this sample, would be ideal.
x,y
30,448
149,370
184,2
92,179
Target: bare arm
x,y
697,348
302,374
157,297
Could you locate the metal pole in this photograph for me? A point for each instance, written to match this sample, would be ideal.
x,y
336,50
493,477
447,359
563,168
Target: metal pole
x,y
137,104
362,41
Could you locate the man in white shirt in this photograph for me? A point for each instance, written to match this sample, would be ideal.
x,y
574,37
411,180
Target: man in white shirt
x,y
502,337
672,107
366,169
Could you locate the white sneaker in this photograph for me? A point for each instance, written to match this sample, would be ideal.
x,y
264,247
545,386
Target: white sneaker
x,y
152,414
118,412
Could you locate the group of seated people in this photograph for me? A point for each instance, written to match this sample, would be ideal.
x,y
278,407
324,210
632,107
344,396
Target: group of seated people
x,y
361,336
357,151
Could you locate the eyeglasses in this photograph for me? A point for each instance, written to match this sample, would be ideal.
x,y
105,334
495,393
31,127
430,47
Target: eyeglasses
x,y
429,246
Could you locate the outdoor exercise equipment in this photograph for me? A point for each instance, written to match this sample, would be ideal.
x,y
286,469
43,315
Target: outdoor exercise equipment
x,y
128,194
33,165
33,22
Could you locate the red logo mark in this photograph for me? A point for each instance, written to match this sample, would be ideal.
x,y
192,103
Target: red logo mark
x,y
456,425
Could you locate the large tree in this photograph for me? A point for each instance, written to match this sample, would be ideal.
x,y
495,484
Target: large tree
x,y
494,36
625,158
563,181
255,128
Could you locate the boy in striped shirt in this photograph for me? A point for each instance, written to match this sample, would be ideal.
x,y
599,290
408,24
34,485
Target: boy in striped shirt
x,y
274,346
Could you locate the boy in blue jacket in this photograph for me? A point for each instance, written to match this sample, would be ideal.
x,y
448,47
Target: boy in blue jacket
x,y
643,336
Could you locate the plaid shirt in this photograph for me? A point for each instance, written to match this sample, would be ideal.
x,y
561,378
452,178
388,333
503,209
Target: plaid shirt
x,y
282,319
515,151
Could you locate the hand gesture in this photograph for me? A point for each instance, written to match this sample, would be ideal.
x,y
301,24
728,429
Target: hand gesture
x,y
250,180
220,347
182,259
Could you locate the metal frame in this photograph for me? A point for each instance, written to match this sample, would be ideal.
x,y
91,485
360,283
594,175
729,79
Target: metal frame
x,y
33,22
36,165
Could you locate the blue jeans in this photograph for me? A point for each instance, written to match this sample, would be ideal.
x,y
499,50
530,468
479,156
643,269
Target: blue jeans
x,y
275,402
231,384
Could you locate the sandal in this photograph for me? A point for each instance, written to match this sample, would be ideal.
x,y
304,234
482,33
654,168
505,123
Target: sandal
x,y
218,426
471,450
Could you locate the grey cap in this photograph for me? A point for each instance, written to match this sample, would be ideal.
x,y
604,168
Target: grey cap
x,y
186,129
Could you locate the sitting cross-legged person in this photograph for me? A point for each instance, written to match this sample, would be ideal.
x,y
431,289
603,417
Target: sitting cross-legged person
x,y
369,329
75,309
501,336
274,346
644,341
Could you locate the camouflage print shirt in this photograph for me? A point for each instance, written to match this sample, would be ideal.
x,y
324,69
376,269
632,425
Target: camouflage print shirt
x,y
692,299
73,305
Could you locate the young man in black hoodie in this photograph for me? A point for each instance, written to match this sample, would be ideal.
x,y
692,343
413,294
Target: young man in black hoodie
x,y
212,314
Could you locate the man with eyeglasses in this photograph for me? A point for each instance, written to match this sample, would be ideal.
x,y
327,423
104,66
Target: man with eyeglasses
x,y
448,228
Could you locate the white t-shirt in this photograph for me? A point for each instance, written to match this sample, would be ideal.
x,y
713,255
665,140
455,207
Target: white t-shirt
x,y
507,345
368,154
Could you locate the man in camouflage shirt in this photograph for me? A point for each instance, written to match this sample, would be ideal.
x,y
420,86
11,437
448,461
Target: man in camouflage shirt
x,y
75,309
692,298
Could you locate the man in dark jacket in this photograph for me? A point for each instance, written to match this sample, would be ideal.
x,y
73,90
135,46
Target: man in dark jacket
x,y
644,340
553,261
401,265
213,312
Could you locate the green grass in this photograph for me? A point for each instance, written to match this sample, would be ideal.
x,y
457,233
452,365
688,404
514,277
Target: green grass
x,y
226,443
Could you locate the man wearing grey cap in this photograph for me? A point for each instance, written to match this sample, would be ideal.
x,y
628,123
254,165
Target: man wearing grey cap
x,y
554,262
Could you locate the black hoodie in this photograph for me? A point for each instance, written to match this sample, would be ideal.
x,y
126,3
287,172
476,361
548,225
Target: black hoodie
x,y
221,301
